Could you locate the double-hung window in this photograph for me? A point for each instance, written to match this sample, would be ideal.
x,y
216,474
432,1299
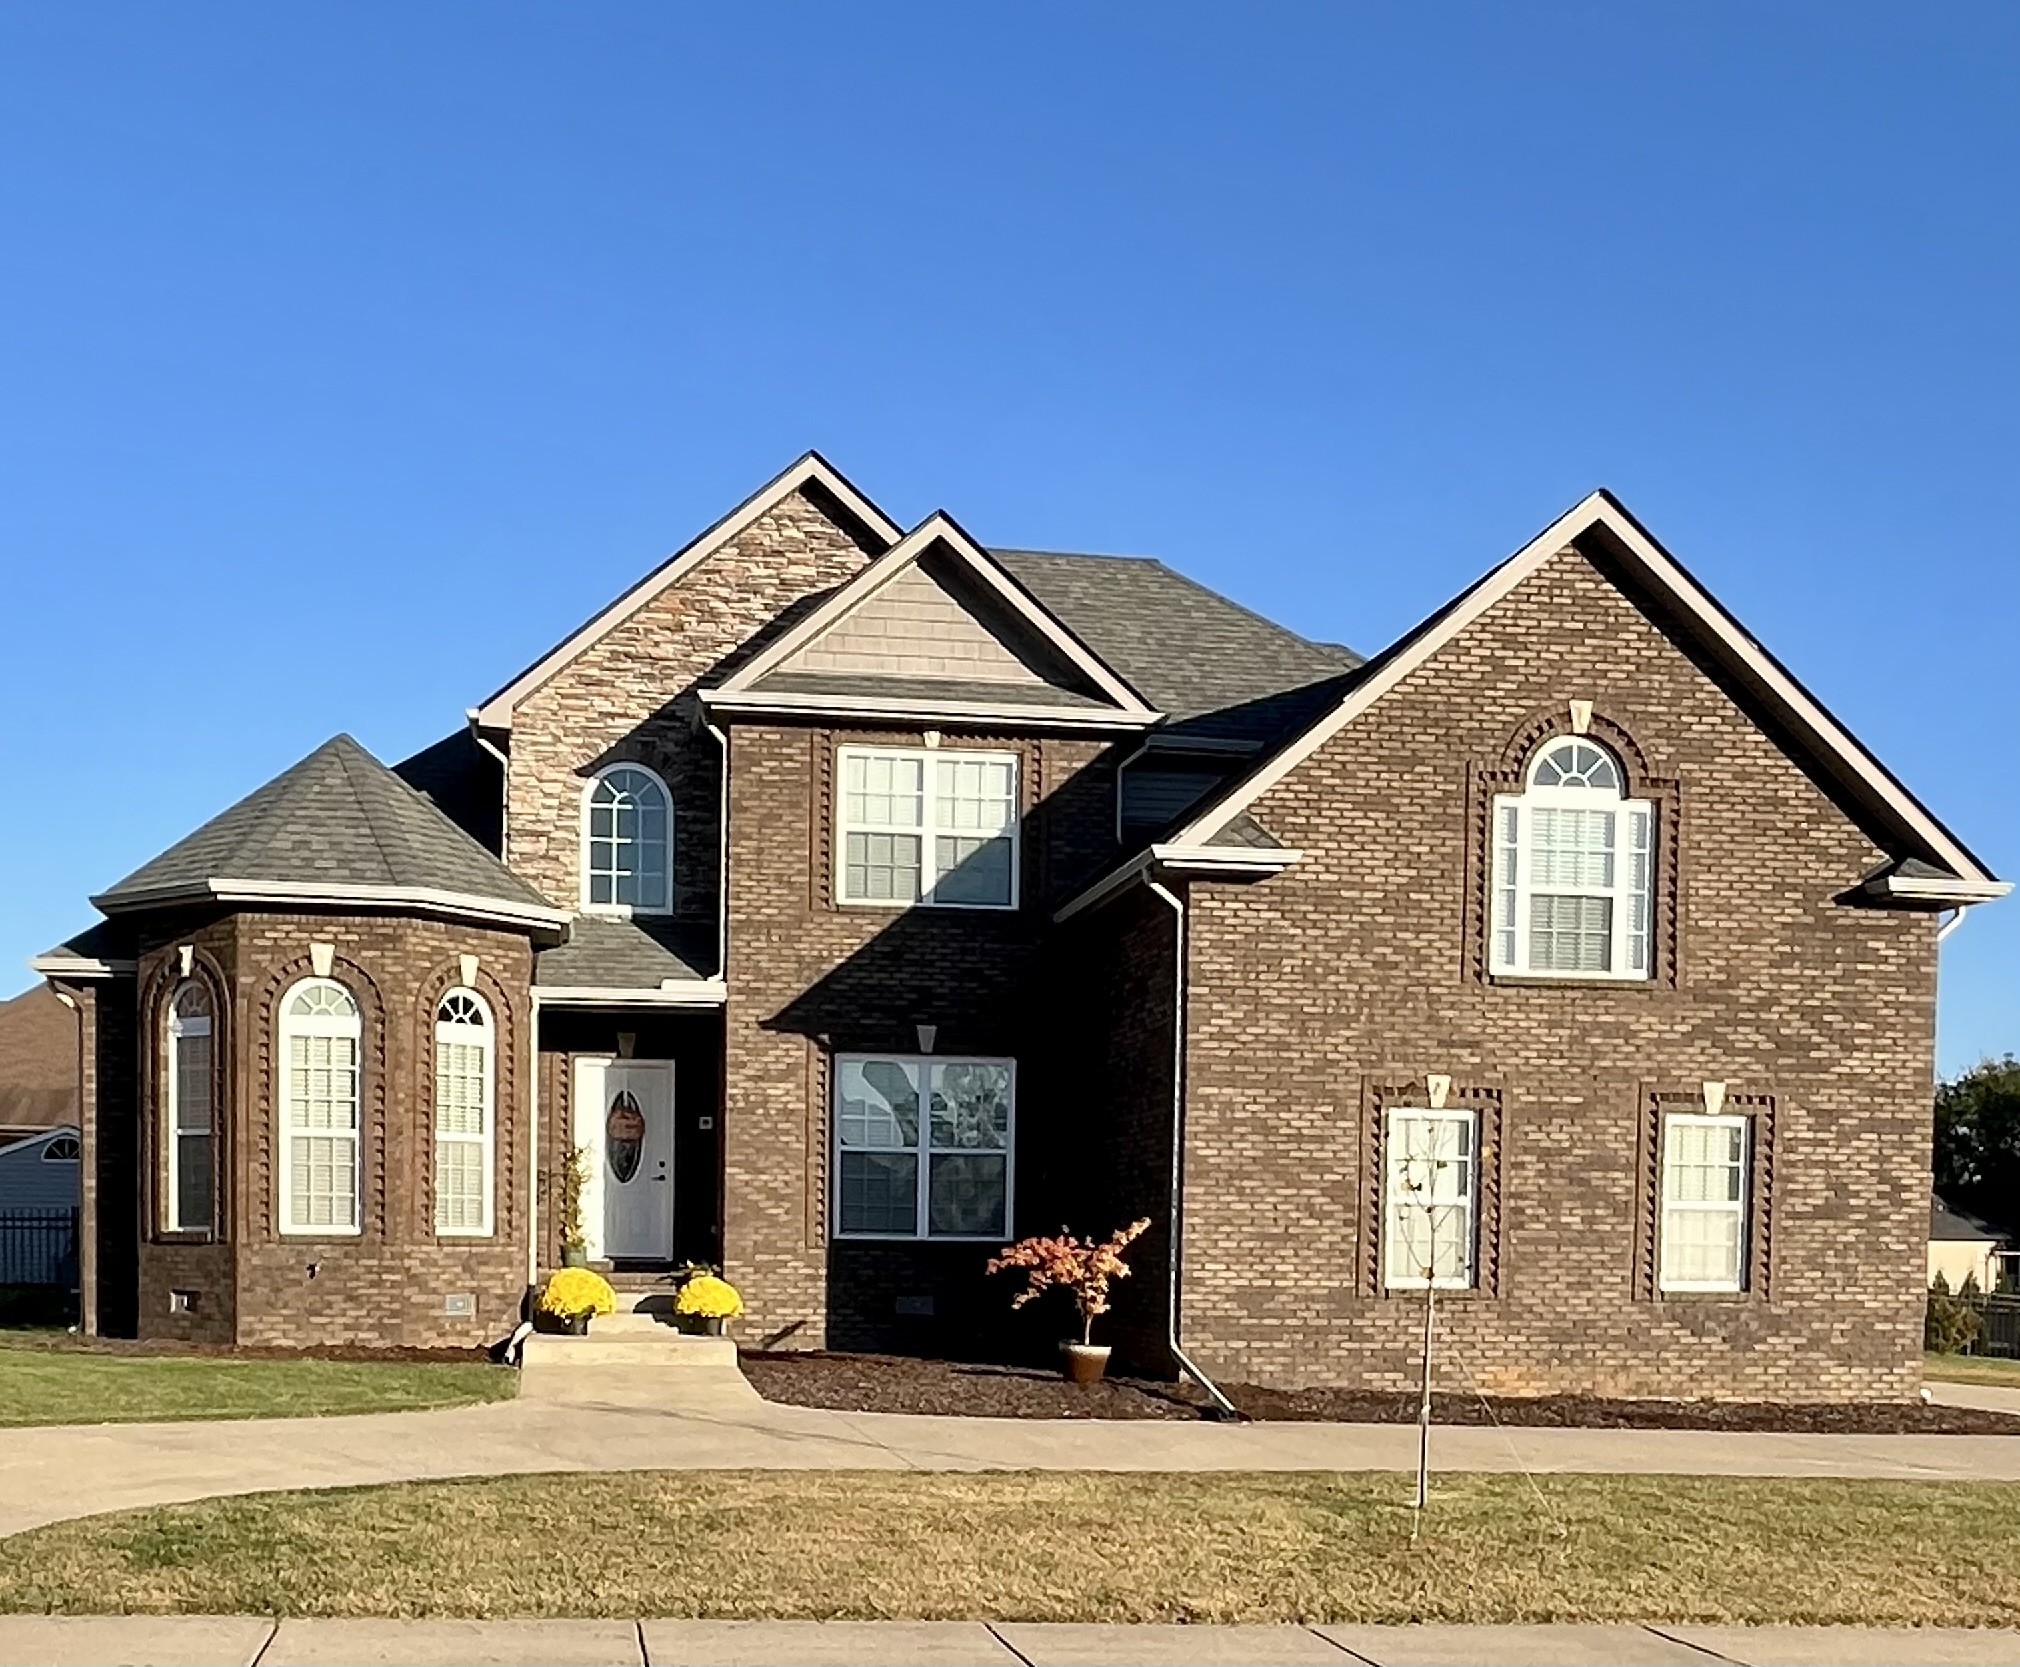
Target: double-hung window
x,y
1572,870
1430,1197
923,1147
927,825
1704,1202
464,1123
191,1087
320,1038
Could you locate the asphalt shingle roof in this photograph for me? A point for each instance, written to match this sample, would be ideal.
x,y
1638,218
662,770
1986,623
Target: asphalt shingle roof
x,y
1187,650
612,953
339,817
1959,1226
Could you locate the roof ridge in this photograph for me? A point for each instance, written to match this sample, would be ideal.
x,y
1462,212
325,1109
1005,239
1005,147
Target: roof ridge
x,y
366,818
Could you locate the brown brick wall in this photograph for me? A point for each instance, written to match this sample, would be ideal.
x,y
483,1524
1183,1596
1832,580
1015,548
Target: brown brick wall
x,y
631,696
384,1287
1351,977
808,979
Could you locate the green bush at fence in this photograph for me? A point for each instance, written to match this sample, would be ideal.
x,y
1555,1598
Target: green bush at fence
x,y
1953,1324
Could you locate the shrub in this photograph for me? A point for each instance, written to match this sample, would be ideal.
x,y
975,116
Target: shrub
x,y
577,1293
1952,1324
574,1179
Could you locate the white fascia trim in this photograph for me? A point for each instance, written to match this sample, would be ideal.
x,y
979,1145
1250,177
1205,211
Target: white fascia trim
x,y
1661,570
78,966
940,528
698,992
426,899
1938,889
1224,862
761,703
496,712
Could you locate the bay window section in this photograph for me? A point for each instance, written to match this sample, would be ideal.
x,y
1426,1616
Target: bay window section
x,y
923,1147
191,1114
927,826
320,1037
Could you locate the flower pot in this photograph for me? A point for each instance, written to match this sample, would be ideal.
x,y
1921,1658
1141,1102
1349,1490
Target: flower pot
x,y
576,1325
711,1325
575,1256
1085,1362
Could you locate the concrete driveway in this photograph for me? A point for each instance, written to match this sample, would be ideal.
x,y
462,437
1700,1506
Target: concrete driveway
x,y
59,1472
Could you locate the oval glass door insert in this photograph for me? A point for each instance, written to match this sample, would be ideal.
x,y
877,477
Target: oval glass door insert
x,y
624,1136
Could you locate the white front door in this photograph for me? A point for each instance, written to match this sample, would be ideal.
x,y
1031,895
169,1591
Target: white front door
x,y
624,1116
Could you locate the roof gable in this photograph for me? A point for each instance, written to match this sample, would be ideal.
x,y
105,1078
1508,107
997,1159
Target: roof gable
x,y
1600,522
935,624
810,473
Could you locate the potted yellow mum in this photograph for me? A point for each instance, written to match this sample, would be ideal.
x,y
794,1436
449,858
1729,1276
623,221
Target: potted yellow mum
x,y
575,1296
707,1302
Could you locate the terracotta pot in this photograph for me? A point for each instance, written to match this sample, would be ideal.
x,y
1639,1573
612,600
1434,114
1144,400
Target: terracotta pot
x,y
1085,1362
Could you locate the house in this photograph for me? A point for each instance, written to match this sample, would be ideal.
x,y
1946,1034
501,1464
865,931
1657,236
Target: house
x,y
38,1209
1962,1246
855,898
38,1064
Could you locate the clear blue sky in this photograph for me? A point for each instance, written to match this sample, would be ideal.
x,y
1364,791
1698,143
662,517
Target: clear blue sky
x,y
351,354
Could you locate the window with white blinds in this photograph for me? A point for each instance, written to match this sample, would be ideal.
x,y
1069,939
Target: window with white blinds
x,y
190,1122
464,1121
1572,870
927,826
320,1039
1704,1202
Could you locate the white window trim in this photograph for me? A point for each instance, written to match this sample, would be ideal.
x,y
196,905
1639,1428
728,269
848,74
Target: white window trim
x,y
288,1028
1392,1278
1742,1209
1525,804
625,911
925,1151
487,1141
178,1028
928,829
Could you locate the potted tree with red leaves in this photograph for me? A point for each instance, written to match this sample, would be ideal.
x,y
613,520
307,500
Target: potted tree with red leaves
x,y
1081,1268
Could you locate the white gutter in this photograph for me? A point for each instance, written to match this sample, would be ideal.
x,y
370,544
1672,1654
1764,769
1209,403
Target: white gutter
x,y
420,899
78,966
1175,1243
1214,862
721,859
1938,888
504,785
674,992
766,703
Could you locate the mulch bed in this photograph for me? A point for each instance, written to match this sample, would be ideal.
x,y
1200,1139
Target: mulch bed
x,y
60,1342
894,1383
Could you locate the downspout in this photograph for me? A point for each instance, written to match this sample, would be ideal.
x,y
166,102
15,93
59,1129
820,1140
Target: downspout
x,y
1176,1246
504,784
1956,920
721,857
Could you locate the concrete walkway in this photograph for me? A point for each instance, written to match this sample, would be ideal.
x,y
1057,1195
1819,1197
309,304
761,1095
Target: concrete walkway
x,y
250,1641
58,1472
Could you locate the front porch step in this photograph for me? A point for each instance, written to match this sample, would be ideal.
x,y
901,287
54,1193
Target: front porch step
x,y
633,1358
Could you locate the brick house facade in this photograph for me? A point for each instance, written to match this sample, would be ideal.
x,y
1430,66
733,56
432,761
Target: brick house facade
x,y
855,898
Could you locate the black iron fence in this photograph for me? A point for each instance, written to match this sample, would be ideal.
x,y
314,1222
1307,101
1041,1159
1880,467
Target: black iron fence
x,y
1999,1318
38,1247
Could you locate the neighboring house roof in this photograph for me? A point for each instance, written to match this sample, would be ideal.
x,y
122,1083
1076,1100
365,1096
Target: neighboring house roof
x,y
101,950
1950,1225
337,828
1814,732
38,1061
610,958
811,473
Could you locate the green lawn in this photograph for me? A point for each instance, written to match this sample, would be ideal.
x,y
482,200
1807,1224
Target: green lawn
x,y
1025,1546
1971,1368
55,1385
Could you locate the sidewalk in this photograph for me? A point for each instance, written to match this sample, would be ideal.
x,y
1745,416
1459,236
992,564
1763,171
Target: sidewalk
x,y
249,1641
57,1472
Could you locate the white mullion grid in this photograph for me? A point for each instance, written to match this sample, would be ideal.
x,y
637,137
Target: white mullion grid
x,y
931,825
925,1073
181,1032
1514,888
1735,1208
307,1030
455,1039
1462,1200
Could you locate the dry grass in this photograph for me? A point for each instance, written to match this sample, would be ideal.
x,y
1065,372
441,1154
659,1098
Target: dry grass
x,y
1971,1368
1055,1547
74,1386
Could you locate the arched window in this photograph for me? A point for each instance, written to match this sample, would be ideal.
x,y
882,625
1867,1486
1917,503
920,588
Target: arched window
x,y
627,843
65,1148
320,1036
1572,869
464,1121
191,1116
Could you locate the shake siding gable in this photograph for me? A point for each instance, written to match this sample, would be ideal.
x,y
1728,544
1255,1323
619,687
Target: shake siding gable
x,y
1339,986
631,695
